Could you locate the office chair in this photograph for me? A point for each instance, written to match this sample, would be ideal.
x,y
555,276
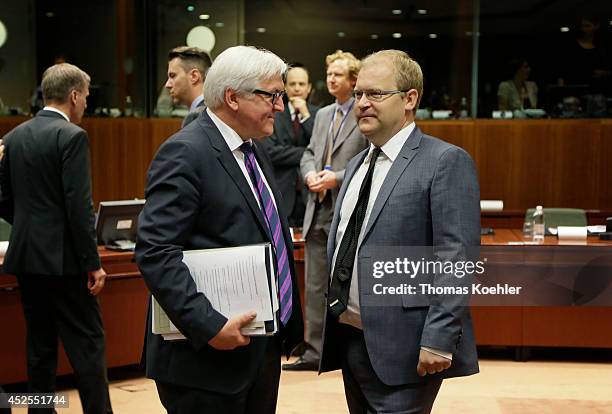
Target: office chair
x,y
5,230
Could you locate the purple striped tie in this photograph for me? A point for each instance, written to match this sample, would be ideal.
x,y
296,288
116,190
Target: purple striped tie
x,y
274,225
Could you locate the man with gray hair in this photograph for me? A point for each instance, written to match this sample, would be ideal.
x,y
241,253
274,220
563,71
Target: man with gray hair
x,y
210,186
187,67
46,195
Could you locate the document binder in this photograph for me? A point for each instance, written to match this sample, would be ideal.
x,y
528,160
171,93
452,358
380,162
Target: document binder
x,y
235,280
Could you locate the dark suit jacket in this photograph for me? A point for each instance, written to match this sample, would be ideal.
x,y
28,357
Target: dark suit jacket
x,y
286,150
46,196
430,197
198,198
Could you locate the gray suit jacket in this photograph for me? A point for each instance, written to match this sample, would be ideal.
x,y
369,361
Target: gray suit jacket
x,y
430,197
348,144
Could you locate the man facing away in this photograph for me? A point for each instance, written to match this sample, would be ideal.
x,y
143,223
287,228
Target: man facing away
x,y
210,186
335,140
292,131
187,67
407,189
46,195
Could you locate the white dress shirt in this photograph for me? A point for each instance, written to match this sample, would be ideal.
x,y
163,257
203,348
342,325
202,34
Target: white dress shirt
x,y
233,141
292,111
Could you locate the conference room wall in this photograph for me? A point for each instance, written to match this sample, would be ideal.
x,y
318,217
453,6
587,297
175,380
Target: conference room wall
x,y
556,163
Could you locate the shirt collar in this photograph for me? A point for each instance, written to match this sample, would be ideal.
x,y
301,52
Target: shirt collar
x,y
291,109
345,106
392,148
231,137
196,102
52,109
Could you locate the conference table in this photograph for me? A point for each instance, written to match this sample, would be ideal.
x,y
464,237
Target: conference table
x,y
124,303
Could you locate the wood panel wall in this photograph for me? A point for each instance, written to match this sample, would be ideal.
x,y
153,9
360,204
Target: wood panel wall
x,y
556,163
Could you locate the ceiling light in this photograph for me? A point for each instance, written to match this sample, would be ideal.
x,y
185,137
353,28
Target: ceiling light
x,y
433,36
261,30
50,14
219,24
564,29
422,11
341,34
396,11
468,34
2,33
190,8
396,35
204,16
374,36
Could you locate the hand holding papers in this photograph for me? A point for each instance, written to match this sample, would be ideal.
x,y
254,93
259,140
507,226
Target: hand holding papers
x,y
236,280
231,335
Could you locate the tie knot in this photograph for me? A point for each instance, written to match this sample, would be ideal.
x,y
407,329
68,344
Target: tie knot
x,y
246,148
375,153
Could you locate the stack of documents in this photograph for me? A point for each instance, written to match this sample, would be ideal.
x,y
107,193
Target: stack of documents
x,y
235,280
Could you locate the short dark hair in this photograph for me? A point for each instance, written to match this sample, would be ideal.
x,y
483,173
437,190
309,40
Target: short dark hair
x,y
191,58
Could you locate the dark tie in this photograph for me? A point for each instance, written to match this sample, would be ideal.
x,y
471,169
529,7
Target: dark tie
x,y
296,126
343,269
274,226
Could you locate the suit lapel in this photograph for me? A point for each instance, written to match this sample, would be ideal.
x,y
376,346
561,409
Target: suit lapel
x,y
347,129
228,162
325,122
405,156
285,118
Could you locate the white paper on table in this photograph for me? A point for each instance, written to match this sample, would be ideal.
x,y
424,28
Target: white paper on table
x,y
572,232
599,228
491,205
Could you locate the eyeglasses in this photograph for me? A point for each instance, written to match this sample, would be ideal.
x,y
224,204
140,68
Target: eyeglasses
x,y
273,96
375,95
